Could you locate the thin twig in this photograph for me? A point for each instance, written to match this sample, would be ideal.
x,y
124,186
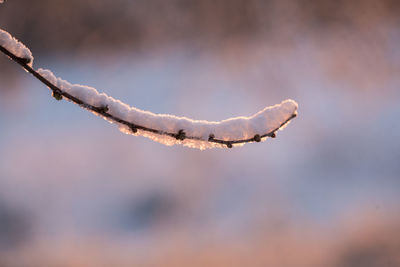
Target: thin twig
x,y
103,111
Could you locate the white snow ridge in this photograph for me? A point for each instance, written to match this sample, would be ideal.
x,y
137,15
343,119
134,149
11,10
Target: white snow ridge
x,y
15,47
239,128
162,128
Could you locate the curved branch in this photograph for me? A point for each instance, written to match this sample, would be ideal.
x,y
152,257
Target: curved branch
x,y
103,111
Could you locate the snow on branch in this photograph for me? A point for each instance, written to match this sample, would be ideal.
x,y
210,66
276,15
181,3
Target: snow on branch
x,y
15,47
163,128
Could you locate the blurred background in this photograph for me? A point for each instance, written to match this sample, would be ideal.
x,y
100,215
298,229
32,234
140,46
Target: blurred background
x,y
74,191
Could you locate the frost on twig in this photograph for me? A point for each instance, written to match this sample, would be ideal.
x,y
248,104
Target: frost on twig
x,y
15,47
163,128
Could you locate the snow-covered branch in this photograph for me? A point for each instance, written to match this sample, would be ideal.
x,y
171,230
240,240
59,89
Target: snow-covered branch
x,y
163,128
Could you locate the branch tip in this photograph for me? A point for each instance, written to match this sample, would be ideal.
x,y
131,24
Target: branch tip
x,y
211,137
133,129
103,109
57,95
181,135
24,60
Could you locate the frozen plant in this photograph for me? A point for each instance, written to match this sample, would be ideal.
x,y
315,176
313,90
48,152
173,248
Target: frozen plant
x,y
163,128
